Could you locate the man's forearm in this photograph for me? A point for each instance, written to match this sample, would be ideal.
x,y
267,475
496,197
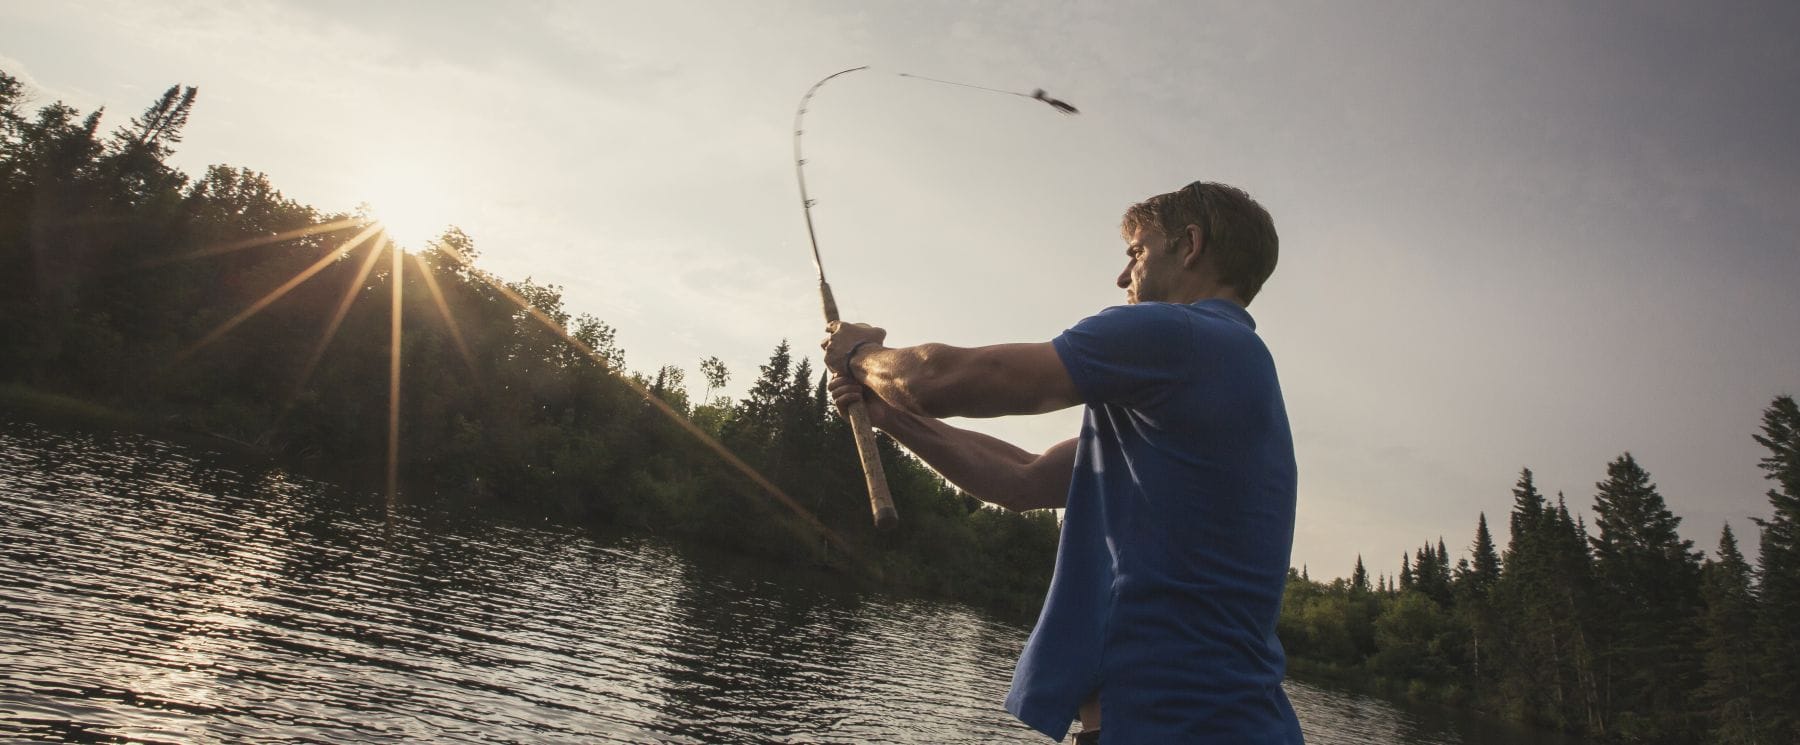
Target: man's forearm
x,y
895,375
989,468
938,380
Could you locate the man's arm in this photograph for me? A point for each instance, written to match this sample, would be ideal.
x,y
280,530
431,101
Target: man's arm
x,y
989,468
938,380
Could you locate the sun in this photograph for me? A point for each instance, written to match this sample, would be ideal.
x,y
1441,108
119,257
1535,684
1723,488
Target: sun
x,y
410,202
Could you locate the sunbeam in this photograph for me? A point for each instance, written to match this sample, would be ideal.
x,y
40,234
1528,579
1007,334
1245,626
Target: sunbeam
x,y
324,227
443,306
397,279
331,327
278,292
724,453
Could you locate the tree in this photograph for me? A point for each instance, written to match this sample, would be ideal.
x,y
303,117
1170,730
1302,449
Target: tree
x,y
1485,570
160,125
601,337
670,385
1474,590
136,153
1409,638
1778,566
755,425
713,369
1527,514
1732,652
1359,580
1542,642
1431,573
1650,590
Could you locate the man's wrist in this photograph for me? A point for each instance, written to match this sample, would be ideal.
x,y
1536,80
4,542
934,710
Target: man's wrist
x,y
850,359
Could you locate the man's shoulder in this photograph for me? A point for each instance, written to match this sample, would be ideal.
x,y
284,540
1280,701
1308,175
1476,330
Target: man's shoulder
x,y
1141,317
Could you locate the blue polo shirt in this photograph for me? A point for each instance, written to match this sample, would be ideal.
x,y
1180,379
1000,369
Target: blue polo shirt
x,y
1176,536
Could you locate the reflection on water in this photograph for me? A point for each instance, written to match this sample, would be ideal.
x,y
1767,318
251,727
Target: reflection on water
x,y
151,594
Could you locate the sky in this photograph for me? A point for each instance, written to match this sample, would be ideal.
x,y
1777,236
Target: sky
x,y
1513,235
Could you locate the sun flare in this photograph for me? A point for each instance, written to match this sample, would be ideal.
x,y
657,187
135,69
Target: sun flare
x,y
412,204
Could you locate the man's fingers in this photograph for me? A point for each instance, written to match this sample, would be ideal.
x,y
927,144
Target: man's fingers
x,y
843,390
843,399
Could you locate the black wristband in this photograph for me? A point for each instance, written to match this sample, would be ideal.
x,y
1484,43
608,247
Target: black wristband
x,y
850,360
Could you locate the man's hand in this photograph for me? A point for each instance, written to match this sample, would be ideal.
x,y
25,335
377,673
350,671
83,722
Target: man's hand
x,y
845,391
842,338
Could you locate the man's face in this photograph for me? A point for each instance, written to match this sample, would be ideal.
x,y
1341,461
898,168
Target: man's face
x,y
1151,267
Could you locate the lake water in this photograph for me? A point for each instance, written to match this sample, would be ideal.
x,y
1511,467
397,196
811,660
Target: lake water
x,y
151,592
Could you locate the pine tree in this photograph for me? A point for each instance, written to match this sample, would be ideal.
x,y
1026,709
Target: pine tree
x,y
137,151
1474,590
1650,590
160,125
1732,653
1542,641
768,390
1444,575
755,424
1486,568
1431,573
1359,579
1527,513
1778,567
801,425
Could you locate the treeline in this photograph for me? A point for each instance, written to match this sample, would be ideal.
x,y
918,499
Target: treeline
x,y
1620,630
125,281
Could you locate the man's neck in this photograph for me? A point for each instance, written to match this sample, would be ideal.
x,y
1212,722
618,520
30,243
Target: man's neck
x,y
1210,292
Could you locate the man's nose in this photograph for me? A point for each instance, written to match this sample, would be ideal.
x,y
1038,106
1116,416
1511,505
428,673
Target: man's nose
x,y
1124,281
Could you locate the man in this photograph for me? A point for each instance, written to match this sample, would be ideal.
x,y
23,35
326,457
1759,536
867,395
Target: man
x,y
1179,492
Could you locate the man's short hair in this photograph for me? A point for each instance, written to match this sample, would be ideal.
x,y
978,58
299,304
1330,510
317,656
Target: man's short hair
x,y
1237,231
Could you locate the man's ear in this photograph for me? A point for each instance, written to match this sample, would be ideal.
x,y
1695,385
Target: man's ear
x,y
1195,249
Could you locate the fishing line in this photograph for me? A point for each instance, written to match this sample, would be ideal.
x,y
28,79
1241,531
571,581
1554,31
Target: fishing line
x,y
1037,94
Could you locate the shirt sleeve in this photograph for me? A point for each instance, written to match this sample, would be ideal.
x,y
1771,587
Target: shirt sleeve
x,y
1127,353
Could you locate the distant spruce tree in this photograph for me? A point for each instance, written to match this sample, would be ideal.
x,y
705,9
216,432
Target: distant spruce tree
x,y
1445,577
1778,567
1474,603
1730,695
1431,573
1543,642
755,424
1527,514
1485,570
1359,579
1649,579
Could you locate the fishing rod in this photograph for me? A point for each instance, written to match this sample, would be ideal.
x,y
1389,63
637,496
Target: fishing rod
x,y
880,501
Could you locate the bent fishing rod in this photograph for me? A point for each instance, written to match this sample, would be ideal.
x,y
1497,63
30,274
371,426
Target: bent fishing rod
x,y
880,501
